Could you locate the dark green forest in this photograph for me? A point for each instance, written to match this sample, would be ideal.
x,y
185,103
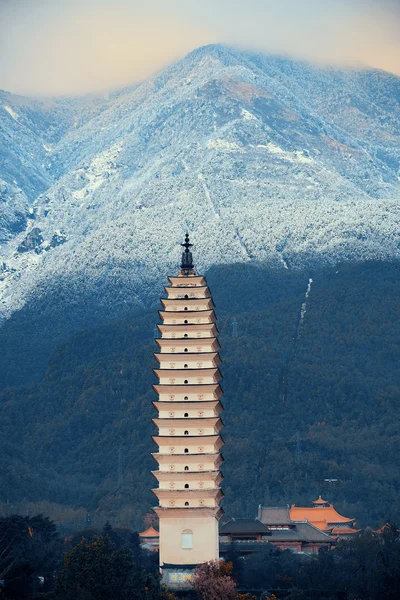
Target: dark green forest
x,y
305,400
37,563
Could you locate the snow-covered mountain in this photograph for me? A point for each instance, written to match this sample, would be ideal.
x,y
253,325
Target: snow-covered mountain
x,y
261,158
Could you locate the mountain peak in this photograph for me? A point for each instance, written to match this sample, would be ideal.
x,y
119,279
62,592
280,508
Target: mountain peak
x,y
220,51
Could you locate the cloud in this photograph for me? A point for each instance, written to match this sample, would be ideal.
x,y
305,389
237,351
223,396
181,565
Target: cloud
x,y
71,46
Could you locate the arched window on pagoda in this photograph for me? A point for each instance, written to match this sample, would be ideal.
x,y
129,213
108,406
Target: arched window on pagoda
x,y
187,536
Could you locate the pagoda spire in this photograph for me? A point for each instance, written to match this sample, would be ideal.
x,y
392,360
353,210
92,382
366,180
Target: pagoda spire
x,y
187,258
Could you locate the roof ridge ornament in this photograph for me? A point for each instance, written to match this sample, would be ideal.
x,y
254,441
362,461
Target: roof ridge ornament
x,y
187,258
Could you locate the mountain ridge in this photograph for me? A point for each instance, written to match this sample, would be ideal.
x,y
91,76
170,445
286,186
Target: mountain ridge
x,y
262,158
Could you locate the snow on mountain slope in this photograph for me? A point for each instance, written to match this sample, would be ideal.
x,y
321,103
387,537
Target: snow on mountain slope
x,y
261,158
30,128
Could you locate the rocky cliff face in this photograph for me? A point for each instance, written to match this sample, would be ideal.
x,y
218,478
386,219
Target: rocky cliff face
x,y
261,158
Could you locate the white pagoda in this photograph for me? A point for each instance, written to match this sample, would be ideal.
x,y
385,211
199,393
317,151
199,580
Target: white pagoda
x,y
189,425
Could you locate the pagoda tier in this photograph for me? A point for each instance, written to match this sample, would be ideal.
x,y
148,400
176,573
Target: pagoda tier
x,y
187,293
186,377
197,497
188,345
202,360
195,478
186,330
191,304
205,426
185,444
188,420
186,316
195,462
180,410
191,393
195,281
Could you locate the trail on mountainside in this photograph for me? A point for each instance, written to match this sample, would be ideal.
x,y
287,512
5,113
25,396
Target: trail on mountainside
x,y
207,194
243,244
284,376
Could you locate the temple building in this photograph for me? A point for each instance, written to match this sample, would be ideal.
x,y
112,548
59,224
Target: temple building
x,y
300,529
149,539
189,425
324,516
251,535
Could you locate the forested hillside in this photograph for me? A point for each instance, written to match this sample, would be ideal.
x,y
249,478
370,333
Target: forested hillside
x,y
312,389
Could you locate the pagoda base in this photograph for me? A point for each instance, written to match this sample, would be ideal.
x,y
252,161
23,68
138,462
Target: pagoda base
x,y
178,577
188,536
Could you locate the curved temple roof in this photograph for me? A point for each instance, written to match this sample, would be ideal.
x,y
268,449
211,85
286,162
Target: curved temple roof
x,y
323,517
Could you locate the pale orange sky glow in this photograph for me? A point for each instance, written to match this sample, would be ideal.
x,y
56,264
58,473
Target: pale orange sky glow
x,y
70,47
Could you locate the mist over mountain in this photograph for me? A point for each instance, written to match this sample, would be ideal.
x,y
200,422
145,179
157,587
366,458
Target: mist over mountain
x,y
261,158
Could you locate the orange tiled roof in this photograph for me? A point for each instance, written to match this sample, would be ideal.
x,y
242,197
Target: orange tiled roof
x,y
320,501
319,516
150,532
322,525
380,530
383,529
344,531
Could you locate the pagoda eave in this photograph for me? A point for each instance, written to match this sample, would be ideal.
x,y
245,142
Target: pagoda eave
x,y
205,475
193,279
187,291
185,313
166,302
198,388
199,512
161,458
189,342
189,357
196,372
182,439
214,422
190,441
215,405
198,326
213,493
174,328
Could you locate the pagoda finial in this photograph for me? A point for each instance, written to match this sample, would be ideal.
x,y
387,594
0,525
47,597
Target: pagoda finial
x,y
187,258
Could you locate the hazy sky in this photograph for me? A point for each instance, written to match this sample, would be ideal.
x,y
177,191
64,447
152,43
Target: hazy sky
x,y
74,46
